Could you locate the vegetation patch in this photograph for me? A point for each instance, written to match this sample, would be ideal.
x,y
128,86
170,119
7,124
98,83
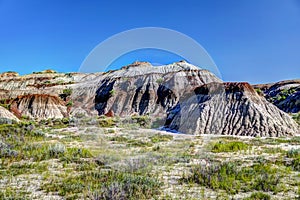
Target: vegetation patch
x,y
258,196
142,120
105,185
233,179
161,138
229,146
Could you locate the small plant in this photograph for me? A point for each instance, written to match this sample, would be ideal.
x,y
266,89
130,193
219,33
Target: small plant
x,y
56,150
69,104
107,122
296,117
66,93
112,92
159,81
259,92
25,117
293,153
161,138
143,121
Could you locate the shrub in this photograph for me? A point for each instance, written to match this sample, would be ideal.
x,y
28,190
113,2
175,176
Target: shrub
x,y
107,122
105,185
232,178
6,151
259,92
143,121
229,146
66,93
293,153
75,154
160,81
112,92
161,138
258,196
69,104
56,150
296,117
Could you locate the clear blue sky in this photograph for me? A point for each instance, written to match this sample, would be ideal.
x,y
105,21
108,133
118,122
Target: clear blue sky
x,y
249,40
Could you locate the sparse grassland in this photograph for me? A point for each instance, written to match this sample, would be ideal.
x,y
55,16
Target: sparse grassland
x,y
111,158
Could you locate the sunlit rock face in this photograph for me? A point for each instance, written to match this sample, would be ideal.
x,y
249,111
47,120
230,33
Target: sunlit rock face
x,y
229,109
189,99
39,106
143,89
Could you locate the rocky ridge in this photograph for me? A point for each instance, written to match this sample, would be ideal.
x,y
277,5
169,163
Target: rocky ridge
x,y
229,109
192,100
148,90
284,94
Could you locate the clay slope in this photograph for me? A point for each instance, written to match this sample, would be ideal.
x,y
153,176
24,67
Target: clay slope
x,y
229,109
39,106
5,114
143,89
284,94
83,88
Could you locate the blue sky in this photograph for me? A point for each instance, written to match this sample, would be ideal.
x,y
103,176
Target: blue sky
x,y
256,41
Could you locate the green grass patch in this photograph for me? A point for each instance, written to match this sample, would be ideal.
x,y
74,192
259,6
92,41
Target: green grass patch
x,y
258,196
105,185
229,146
161,138
233,178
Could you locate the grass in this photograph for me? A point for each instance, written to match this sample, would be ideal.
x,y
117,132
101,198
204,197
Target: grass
x,y
258,196
98,162
161,138
296,117
229,146
233,179
105,185
143,121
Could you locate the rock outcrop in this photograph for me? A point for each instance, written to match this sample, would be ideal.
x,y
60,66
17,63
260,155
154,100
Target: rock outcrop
x,y
6,115
229,109
192,100
144,89
39,106
284,94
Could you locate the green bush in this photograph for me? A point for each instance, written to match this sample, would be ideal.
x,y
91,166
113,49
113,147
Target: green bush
x,y
112,92
259,92
160,81
161,138
142,120
107,122
296,117
66,93
69,104
229,146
